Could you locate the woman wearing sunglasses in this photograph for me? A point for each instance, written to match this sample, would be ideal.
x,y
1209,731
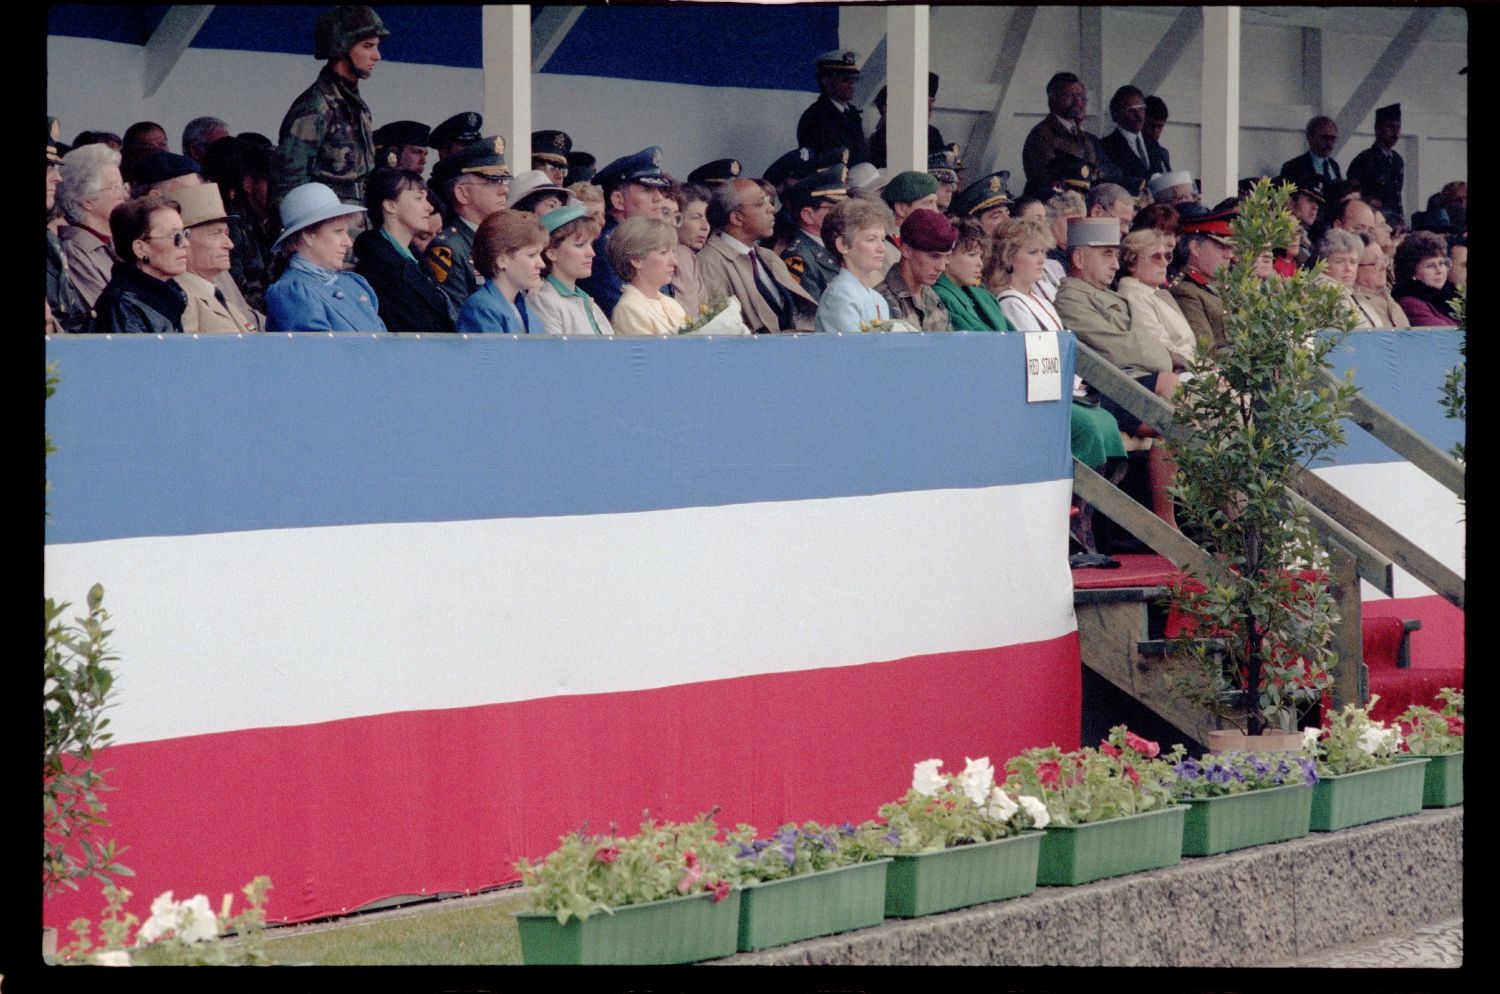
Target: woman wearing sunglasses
x,y
1144,254
141,296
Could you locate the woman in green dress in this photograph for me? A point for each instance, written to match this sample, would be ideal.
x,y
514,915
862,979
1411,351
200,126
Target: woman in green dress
x,y
970,306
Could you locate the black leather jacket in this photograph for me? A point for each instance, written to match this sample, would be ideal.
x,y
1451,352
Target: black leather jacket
x,y
135,303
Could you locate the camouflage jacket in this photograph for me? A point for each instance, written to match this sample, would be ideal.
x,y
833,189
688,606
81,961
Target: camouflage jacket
x,y
250,260
325,138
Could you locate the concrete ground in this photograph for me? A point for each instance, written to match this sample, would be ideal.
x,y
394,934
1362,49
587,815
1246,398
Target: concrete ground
x,y
1436,946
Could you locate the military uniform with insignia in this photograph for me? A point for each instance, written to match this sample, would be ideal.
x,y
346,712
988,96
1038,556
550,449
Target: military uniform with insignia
x,y
823,125
715,173
449,258
549,153
1194,291
809,261
986,201
326,136
402,145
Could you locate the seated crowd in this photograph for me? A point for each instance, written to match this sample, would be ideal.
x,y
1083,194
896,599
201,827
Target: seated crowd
x,y
1109,240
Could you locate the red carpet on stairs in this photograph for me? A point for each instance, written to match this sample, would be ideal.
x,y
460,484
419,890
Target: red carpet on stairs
x,y
1437,648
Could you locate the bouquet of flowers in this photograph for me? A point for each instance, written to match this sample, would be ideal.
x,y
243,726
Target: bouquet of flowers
x,y
1237,772
586,873
942,810
722,317
1352,742
793,851
1427,732
1124,776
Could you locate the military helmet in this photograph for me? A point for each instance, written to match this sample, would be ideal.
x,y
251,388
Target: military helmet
x,y
341,28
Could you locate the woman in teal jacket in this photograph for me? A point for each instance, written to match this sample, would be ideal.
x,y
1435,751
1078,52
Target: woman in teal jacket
x,y
970,306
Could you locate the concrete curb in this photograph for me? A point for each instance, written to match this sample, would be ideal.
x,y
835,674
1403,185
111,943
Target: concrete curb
x,y
1257,907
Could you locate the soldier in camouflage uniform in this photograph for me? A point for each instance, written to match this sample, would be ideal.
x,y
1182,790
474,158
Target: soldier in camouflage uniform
x,y
326,136
808,201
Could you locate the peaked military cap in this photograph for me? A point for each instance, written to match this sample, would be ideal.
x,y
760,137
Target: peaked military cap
x,y
551,146
908,188
980,196
1390,112
825,185
401,133
462,128
644,167
1069,169
716,172
839,60
1214,224
794,165
1310,187
485,157
580,166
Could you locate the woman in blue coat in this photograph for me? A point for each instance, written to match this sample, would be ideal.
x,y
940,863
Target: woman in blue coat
x,y
315,294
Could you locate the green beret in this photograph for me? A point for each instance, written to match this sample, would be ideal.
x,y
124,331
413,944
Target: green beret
x,y
907,188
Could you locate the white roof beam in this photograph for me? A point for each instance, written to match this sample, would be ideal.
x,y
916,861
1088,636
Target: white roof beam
x,y
167,43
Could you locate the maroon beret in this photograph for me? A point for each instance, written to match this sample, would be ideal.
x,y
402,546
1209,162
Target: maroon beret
x,y
928,231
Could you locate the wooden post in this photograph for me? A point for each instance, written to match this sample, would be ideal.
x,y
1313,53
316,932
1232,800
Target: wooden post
x,y
1350,682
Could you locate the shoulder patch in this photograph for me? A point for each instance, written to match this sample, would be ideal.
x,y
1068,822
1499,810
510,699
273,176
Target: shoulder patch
x,y
795,265
440,261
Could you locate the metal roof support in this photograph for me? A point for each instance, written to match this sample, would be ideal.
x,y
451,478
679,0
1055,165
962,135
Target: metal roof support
x,y
1388,66
1163,58
871,79
505,33
906,91
167,43
548,31
1220,134
982,137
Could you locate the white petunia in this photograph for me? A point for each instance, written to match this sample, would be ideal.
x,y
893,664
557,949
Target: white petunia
x,y
977,779
1000,807
112,957
1310,737
1373,739
190,921
925,779
1040,816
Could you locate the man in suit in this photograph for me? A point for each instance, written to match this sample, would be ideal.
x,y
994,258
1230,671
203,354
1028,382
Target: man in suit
x,y
833,120
1156,122
733,264
1136,158
1060,131
1317,162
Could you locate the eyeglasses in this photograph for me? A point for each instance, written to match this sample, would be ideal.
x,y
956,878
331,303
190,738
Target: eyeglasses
x,y
1372,265
1159,256
179,238
1133,107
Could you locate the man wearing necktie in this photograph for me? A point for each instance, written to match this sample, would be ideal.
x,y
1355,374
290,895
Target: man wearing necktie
x,y
733,264
1136,157
1317,163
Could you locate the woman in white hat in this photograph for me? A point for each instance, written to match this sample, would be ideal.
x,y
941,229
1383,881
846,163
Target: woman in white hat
x,y
315,293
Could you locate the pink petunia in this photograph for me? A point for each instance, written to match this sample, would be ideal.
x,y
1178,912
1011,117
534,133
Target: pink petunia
x,y
607,854
1143,746
720,890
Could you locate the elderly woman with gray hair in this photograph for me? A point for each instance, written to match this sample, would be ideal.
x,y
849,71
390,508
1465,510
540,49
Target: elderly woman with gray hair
x,y
91,189
1340,251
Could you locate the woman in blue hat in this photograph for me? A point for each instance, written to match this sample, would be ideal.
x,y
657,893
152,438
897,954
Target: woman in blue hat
x,y
315,293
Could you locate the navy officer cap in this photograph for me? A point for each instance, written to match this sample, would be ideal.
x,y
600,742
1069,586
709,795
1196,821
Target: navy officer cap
x,y
716,172
458,128
580,166
551,146
644,167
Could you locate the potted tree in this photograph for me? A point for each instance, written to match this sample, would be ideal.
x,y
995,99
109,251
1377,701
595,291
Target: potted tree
x,y
1256,413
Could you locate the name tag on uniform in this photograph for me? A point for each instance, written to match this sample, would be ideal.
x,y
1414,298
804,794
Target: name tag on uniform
x,y
1043,367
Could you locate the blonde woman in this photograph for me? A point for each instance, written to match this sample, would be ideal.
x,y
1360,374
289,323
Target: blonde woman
x,y
642,251
1144,255
1016,271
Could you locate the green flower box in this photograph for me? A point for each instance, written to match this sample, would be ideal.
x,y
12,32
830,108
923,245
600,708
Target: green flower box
x,y
775,912
929,882
1077,854
1369,795
1443,783
1238,821
677,930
